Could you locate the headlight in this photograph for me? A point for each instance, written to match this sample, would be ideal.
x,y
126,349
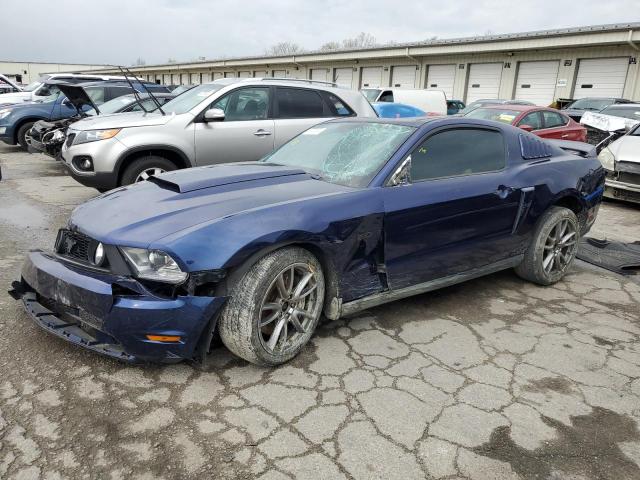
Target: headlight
x,y
5,112
86,136
607,159
154,265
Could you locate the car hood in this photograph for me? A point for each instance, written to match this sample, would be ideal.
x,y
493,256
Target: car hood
x,y
123,120
77,96
16,97
183,199
626,149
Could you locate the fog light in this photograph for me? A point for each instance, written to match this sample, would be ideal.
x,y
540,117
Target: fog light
x,y
3,130
164,338
83,163
98,256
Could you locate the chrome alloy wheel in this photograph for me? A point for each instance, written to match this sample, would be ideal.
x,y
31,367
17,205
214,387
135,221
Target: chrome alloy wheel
x,y
145,174
560,247
288,308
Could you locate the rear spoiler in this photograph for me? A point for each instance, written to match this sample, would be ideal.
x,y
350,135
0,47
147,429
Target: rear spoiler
x,y
580,149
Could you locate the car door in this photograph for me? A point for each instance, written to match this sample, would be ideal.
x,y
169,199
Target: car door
x,y
556,126
296,110
245,134
534,120
458,211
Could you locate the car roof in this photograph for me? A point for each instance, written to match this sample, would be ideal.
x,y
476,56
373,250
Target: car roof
x,y
630,106
515,106
406,121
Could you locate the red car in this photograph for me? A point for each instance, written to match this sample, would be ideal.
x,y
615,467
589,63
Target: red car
x,y
541,121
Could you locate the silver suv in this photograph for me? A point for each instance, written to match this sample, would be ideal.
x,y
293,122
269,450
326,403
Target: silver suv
x,y
229,120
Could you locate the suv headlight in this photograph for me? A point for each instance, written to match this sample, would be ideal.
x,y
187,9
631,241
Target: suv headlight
x,y
154,265
86,136
607,159
5,112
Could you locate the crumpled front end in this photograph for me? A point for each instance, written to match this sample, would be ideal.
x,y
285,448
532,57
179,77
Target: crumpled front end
x,y
113,315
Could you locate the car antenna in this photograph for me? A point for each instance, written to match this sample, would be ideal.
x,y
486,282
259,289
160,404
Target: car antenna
x,y
151,95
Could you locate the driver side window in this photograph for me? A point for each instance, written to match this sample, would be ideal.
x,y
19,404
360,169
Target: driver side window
x,y
244,104
532,119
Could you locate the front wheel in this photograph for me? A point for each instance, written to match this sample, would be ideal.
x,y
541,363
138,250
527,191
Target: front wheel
x,y
22,135
274,308
553,247
144,167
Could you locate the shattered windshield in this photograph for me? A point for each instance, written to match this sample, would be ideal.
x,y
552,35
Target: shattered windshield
x,y
346,153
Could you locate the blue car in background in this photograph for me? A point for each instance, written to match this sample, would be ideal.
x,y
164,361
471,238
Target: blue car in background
x,y
348,215
16,120
396,110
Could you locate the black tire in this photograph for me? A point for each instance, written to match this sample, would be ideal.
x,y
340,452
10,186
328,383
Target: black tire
x,y
239,323
532,267
22,133
143,164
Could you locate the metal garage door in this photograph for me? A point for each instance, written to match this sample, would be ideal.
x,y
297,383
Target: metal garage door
x,y
537,82
293,73
260,73
319,74
343,77
484,81
217,75
371,77
601,77
229,75
441,77
206,77
244,74
403,77
279,73
195,79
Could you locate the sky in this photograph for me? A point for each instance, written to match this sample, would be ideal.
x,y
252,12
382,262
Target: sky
x,y
123,31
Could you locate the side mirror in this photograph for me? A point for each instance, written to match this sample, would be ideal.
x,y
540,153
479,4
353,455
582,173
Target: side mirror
x,y
526,128
214,115
402,175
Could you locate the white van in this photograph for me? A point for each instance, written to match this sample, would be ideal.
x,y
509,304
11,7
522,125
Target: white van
x,y
430,101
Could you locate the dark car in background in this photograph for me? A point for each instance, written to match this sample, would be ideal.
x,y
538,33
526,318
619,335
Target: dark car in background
x,y
350,214
591,104
16,120
541,121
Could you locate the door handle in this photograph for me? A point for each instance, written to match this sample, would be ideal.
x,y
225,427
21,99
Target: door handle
x,y
261,133
503,191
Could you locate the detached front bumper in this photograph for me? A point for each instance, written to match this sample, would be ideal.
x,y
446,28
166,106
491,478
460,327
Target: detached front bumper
x,y
618,190
85,308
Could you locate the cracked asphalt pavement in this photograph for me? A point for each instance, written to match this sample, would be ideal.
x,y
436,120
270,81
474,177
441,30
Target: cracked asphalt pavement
x,y
492,379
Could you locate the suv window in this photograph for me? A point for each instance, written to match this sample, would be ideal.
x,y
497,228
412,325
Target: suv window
x,y
244,104
455,152
299,103
553,119
338,107
532,119
115,92
386,97
96,94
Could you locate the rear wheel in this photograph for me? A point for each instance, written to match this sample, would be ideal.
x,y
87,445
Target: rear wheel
x,y
22,134
144,167
553,247
274,308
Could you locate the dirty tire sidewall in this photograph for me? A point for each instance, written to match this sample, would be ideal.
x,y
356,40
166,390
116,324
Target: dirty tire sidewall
x,y
144,163
22,132
531,267
238,323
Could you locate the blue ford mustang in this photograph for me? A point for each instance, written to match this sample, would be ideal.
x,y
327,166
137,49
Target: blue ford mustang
x,y
348,215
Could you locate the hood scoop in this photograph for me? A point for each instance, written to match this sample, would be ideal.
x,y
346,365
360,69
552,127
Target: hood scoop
x,y
191,179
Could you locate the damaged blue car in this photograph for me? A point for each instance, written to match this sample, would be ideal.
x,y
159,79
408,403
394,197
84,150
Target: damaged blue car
x,y
348,215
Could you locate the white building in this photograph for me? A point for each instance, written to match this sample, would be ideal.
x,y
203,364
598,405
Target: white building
x,y
27,72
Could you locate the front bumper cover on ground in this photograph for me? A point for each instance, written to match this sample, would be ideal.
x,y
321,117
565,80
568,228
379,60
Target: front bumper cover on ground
x,y
81,307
